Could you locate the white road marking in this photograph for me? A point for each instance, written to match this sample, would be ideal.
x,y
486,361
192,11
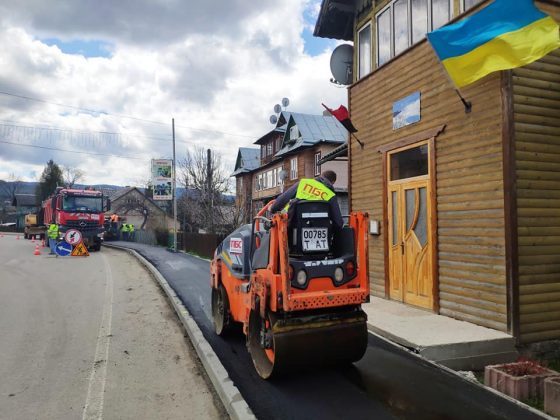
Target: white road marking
x,y
93,408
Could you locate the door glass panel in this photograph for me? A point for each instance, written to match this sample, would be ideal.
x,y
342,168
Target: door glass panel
x,y
421,228
410,207
409,163
395,216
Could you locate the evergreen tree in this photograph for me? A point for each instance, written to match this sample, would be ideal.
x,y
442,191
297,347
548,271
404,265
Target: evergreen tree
x,y
50,179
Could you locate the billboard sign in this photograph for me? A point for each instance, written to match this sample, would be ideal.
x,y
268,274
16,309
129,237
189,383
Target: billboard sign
x,y
162,179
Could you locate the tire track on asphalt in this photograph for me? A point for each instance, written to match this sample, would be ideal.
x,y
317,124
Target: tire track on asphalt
x,y
93,408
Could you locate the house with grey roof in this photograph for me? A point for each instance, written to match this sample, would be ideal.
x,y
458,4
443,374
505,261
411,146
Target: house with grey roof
x,y
248,160
24,204
293,150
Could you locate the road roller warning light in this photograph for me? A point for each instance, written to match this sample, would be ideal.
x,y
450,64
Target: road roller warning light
x,y
296,284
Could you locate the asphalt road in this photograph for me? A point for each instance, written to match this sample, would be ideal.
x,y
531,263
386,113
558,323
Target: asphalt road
x,y
388,382
95,338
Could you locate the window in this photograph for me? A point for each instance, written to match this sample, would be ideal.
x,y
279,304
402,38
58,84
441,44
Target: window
x,y
400,23
269,179
293,168
440,13
278,143
467,4
317,166
263,152
419,20
409,163
269,149
364,51
405,22
279,176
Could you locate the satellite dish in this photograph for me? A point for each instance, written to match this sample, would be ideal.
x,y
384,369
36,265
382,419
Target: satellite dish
x,y
285,102
277,108
273,119
341,64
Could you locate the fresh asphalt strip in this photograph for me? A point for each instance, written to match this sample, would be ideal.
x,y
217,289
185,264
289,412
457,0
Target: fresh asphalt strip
x,y
389,382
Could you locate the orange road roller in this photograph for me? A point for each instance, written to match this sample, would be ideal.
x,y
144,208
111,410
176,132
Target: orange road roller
x,y
296,285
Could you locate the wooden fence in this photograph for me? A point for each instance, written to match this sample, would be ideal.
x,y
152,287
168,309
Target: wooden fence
x,y
202,244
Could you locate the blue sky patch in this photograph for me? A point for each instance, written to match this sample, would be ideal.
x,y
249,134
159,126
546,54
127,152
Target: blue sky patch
x,y
314,46
91,48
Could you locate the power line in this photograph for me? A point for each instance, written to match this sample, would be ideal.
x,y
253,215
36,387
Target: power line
x,y
73,151
17,124
92,111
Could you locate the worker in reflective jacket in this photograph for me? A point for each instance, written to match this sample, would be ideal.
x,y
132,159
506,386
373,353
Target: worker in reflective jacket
x,y
53,236
318,189
124,232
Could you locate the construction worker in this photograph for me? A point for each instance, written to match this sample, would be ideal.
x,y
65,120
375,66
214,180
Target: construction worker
x,y
115,224
131,232
53,237
318,189
124,232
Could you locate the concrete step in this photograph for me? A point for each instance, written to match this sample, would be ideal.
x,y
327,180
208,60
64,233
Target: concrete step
x,y
456,344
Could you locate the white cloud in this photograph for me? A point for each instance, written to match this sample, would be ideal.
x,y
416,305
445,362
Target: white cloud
x,y
210,70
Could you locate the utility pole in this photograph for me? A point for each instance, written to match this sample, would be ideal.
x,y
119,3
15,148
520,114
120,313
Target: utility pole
x,y
174,190
209,187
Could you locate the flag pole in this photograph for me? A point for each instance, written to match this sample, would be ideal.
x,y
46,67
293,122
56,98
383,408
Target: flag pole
x,y
352,134
467,104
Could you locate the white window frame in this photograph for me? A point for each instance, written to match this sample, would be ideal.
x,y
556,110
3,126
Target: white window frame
x,y
293,168
269,149
361,76
410,35
317,166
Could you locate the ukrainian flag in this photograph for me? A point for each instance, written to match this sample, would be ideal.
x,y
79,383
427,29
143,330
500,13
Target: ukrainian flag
x,y
504,35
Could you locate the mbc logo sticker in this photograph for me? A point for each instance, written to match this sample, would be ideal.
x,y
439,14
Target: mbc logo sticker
x,y
235,246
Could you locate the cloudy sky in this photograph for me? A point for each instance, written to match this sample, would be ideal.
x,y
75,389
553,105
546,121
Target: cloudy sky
x,y
106,77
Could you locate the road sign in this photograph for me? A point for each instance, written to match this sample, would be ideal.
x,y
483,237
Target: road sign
x,y
73,236
80,250
63,249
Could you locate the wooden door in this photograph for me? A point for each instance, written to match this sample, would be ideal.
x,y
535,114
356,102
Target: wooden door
x,y
409,237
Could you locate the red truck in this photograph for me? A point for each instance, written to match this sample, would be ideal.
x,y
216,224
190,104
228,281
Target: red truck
x,y
78,209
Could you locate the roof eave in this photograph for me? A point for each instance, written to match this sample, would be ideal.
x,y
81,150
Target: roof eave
x,y
335,20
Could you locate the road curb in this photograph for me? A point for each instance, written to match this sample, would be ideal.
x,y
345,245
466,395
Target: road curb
x,y
233,401
452,372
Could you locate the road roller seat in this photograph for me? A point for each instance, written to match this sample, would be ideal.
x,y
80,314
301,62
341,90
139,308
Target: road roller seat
x,y
310,228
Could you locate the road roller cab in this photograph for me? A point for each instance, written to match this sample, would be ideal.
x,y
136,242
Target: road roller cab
x,y
296,285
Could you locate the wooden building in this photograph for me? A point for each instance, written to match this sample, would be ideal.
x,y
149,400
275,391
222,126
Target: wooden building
x,y
247,161
292,150
468,203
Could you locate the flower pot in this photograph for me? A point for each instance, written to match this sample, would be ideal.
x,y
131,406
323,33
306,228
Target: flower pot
x,y
552,396
509,379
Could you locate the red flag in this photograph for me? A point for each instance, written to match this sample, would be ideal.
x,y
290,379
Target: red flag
x,y
341,114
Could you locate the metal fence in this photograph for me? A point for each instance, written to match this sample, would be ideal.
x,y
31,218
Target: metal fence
x,y
147,237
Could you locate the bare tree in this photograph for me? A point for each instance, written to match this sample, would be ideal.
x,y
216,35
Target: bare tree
x,y
10,187
71,176
206,182
135,205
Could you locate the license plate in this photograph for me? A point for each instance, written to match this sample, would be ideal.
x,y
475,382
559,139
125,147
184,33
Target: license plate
x,y
315,239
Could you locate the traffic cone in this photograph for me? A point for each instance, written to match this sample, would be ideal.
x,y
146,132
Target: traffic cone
x,y
37,251
17,237
33,239
42,243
